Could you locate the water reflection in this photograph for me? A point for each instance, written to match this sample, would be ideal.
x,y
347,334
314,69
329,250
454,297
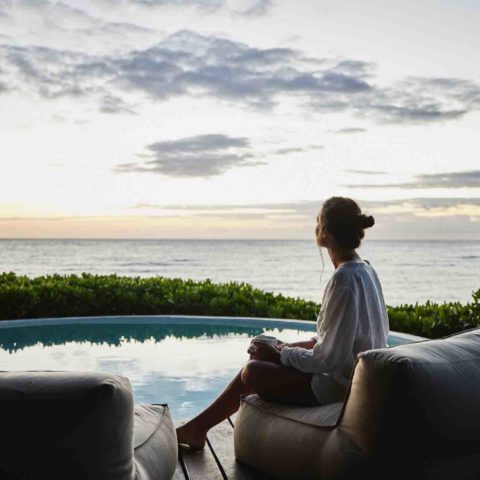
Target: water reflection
x,y
16,339
186,366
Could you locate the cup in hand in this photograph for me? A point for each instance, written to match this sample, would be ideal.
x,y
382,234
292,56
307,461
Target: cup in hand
x,y
268,339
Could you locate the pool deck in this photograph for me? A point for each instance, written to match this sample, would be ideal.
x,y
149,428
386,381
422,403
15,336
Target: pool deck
x,y
216,460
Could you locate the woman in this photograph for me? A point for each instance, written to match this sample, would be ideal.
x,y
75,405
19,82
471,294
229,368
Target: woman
x,y
353,318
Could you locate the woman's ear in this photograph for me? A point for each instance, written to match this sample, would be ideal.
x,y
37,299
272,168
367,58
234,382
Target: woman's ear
x,y
325,238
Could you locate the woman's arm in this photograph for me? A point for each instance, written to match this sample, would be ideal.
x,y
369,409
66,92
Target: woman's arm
x,y
336,346
263,351
308,344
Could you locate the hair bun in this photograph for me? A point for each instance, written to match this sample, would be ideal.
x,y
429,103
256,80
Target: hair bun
x,y
366,222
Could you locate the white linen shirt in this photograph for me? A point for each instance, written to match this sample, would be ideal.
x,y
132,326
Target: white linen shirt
x,y
352,318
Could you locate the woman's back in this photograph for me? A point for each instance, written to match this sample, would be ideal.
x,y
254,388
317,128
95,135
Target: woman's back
x,y
352,318
371,313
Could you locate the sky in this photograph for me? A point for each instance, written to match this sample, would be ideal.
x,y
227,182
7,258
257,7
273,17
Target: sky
x,y
237,119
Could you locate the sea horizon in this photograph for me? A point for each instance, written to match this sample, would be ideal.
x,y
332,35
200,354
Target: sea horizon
x,y
119,239
411,271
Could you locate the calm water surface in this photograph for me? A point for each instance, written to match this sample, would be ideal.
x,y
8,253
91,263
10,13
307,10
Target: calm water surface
x,y
410,271
186,366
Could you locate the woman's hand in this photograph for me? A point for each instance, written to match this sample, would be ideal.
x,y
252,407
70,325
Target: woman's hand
x,y
281,345
263,351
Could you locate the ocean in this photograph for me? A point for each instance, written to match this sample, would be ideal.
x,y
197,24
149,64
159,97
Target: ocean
x,y
410,271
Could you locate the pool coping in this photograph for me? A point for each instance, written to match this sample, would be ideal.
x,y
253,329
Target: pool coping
x,y
306,325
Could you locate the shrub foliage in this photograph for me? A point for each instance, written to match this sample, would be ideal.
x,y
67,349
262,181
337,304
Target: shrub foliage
x,y
91,295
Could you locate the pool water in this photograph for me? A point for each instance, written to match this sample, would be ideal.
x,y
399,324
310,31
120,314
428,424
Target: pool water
x,y
183,361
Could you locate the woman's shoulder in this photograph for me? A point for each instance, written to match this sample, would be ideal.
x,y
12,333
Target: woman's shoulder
x,y
348,269
348,272
340,281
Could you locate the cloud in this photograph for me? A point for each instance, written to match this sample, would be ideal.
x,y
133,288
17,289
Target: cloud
x,y
35,219
351,130
439,202
69,15
366,172
460,213
352,67
50,73
199,156
205,4
201,66
51,23
304,212
258,8
417,218
202,156
247,8
466,179
113,104
289,150
185,63
403,218
449,180
421,100
308,209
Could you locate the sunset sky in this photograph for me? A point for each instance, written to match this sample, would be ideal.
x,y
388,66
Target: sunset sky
x,y
236,119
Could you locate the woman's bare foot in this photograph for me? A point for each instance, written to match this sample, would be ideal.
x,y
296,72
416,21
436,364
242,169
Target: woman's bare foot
x,y
188,434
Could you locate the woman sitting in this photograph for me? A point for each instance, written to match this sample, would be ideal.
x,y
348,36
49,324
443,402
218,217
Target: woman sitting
x,y
353,318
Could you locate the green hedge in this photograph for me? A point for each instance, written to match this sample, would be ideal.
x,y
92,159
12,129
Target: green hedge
x,y
89,295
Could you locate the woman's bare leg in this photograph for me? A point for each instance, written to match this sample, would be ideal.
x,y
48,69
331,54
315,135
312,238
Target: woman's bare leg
x,y
269,380
194,432
277,383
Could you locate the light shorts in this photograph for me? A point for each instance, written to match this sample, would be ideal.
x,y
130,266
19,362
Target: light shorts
x,y
326,389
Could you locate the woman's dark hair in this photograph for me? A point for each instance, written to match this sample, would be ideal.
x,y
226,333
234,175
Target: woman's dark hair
x,y
343,218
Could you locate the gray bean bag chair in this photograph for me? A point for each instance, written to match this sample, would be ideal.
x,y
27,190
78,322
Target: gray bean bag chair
x,y
412,411
78,425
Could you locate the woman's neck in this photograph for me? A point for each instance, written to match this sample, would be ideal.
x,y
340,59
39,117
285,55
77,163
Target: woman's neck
x,y
341,256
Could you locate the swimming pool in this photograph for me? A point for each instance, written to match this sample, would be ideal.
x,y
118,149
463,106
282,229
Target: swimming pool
x,y
184,361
